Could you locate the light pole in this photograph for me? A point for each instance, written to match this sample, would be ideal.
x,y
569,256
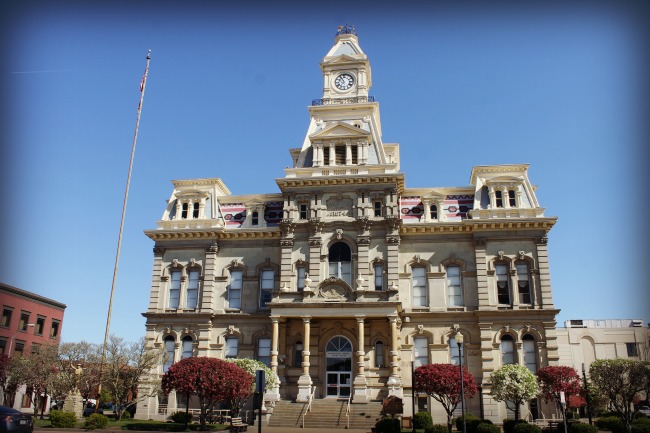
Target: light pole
x,y
413,393
11,342
459,342
584,378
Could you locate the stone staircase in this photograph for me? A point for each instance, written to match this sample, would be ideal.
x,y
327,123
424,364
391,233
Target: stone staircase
x,y
325,413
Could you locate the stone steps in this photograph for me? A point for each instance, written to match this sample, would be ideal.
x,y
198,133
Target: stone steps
x,y
325,413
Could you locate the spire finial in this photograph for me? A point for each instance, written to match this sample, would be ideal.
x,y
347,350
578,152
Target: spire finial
x,y
346,30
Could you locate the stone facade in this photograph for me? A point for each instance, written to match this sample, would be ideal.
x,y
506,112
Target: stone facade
x,y
345,277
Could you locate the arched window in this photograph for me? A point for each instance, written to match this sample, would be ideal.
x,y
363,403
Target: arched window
x,y
454,353
419,283
234,290
340,262
192,289
232,344
187,347
433,212
297,354
503,288
507,350
530,353
421,351
379,354
174,289
264,351
169,353
523,283
454,288
267,283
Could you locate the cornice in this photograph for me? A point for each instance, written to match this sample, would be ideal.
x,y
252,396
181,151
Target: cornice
x,y
472,226
495,169
203,182
159,235
311,182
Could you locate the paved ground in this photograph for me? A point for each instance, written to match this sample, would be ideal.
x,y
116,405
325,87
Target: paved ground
x,y
251,429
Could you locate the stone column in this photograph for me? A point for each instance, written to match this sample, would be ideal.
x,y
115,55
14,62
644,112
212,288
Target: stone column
x,y
360,382
544,273
348,154
156,281
481,274
275,320
304,382
332,155
394,381
207,300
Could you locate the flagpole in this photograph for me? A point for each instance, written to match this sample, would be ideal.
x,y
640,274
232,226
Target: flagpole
x,y
143,84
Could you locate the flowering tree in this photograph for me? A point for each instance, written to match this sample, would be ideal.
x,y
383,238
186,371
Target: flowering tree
x,y
442,382
4,376
557,379
514,384
34,370
620,381
251,366
211,380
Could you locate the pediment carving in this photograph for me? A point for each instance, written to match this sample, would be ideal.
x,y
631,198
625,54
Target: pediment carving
x,y
334,289
339,130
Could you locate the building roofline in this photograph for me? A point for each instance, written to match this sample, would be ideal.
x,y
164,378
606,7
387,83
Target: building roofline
x,y
32,296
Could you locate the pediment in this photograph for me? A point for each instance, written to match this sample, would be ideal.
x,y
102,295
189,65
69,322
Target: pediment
x,y
342,58
340,130
334,289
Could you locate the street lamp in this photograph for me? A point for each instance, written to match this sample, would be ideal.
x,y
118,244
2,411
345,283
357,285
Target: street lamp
x,y
413,393
11,342
459,342
584,378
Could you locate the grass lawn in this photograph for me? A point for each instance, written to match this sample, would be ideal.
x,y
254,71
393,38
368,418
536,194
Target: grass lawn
x,y
141,425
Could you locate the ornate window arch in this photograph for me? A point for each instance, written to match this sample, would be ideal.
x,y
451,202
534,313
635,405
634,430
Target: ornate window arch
x,y
502,266
529,345
231,340
235,271
301,268
419,285
378,269
267,273
169,347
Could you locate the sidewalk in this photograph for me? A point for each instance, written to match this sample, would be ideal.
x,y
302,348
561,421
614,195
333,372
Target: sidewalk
x,y
251,429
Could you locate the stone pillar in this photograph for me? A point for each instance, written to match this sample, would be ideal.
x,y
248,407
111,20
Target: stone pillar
x,y
304,382
348,154
207,300
360,382
275,320
394,381
544,273
157,297
481,274
514,286
488,352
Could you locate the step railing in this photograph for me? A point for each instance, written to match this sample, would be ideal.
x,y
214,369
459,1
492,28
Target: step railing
x,y
347,410
307,407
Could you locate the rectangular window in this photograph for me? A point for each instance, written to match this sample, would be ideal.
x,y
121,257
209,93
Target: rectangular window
x,y
54,330
255,218
379,354
340,155
355,158
40,325
174,289
454,353
19,348
6,317
377,206
433,212
184,211
512,201
234,291
187,347
264,351
303,211
523,284
267,283
498,195
326,155
297,359
419,287
342,270
454,287
300,277
3,346
24,321
231,347
192,289
507,350
421,351
379,277
632,350
530,353
195,210
503,289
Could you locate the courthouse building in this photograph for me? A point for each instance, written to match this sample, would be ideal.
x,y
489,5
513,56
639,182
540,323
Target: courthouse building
x,y
345,276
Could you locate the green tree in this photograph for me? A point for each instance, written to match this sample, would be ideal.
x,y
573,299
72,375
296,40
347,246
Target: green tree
x,y
515,385
620,381
34,370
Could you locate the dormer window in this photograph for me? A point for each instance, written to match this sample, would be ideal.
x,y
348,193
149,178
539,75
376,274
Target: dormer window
x,y
354,154
340,155
433,212
326,155
498,195
255,218
512,200
184,208
195,209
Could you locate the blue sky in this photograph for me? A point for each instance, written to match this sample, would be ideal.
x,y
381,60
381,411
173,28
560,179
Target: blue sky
x,y
560,87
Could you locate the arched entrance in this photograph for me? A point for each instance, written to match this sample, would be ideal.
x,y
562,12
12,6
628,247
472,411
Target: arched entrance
x,y
338,354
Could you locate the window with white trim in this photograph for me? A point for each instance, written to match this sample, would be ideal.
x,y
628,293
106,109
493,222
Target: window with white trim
x,y
187,347
377,208
503,288
419,283
267,282
433,212
264,351
379,276
340,262
420,351
303,211
192,294
507,350
169,353
530,352
174,289
512,198
454,287
301,272
379,354
232,345
234,290
498,198
523,283
255,218
454,353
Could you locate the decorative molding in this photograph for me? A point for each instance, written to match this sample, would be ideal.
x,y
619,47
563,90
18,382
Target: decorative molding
x,y
286,243
480,243
316,226
158,251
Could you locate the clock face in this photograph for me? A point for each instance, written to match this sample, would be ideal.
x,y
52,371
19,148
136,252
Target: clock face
x,y
344,81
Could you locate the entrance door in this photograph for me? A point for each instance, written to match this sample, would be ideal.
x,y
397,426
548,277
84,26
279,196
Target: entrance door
x,y
339,367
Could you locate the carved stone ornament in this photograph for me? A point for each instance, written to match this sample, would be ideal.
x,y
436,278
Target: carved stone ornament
x,y
175,263
315,242
543,241
417,258
364,223
481,243
363,240
333,291
392,240
230,330
338,234
316,226
521,255
500,254
214,248
393,222
192,262
287,226
158,251
286,243
420,329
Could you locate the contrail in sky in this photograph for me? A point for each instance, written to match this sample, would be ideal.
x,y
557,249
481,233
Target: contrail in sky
x,y
43,71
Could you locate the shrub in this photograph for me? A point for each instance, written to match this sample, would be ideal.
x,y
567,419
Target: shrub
x,y
423,420
611,423
487,427
472,424
468,418
524,427
641,425
96,421
388,425
182,417
436,429
60,419
579,427
510,424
